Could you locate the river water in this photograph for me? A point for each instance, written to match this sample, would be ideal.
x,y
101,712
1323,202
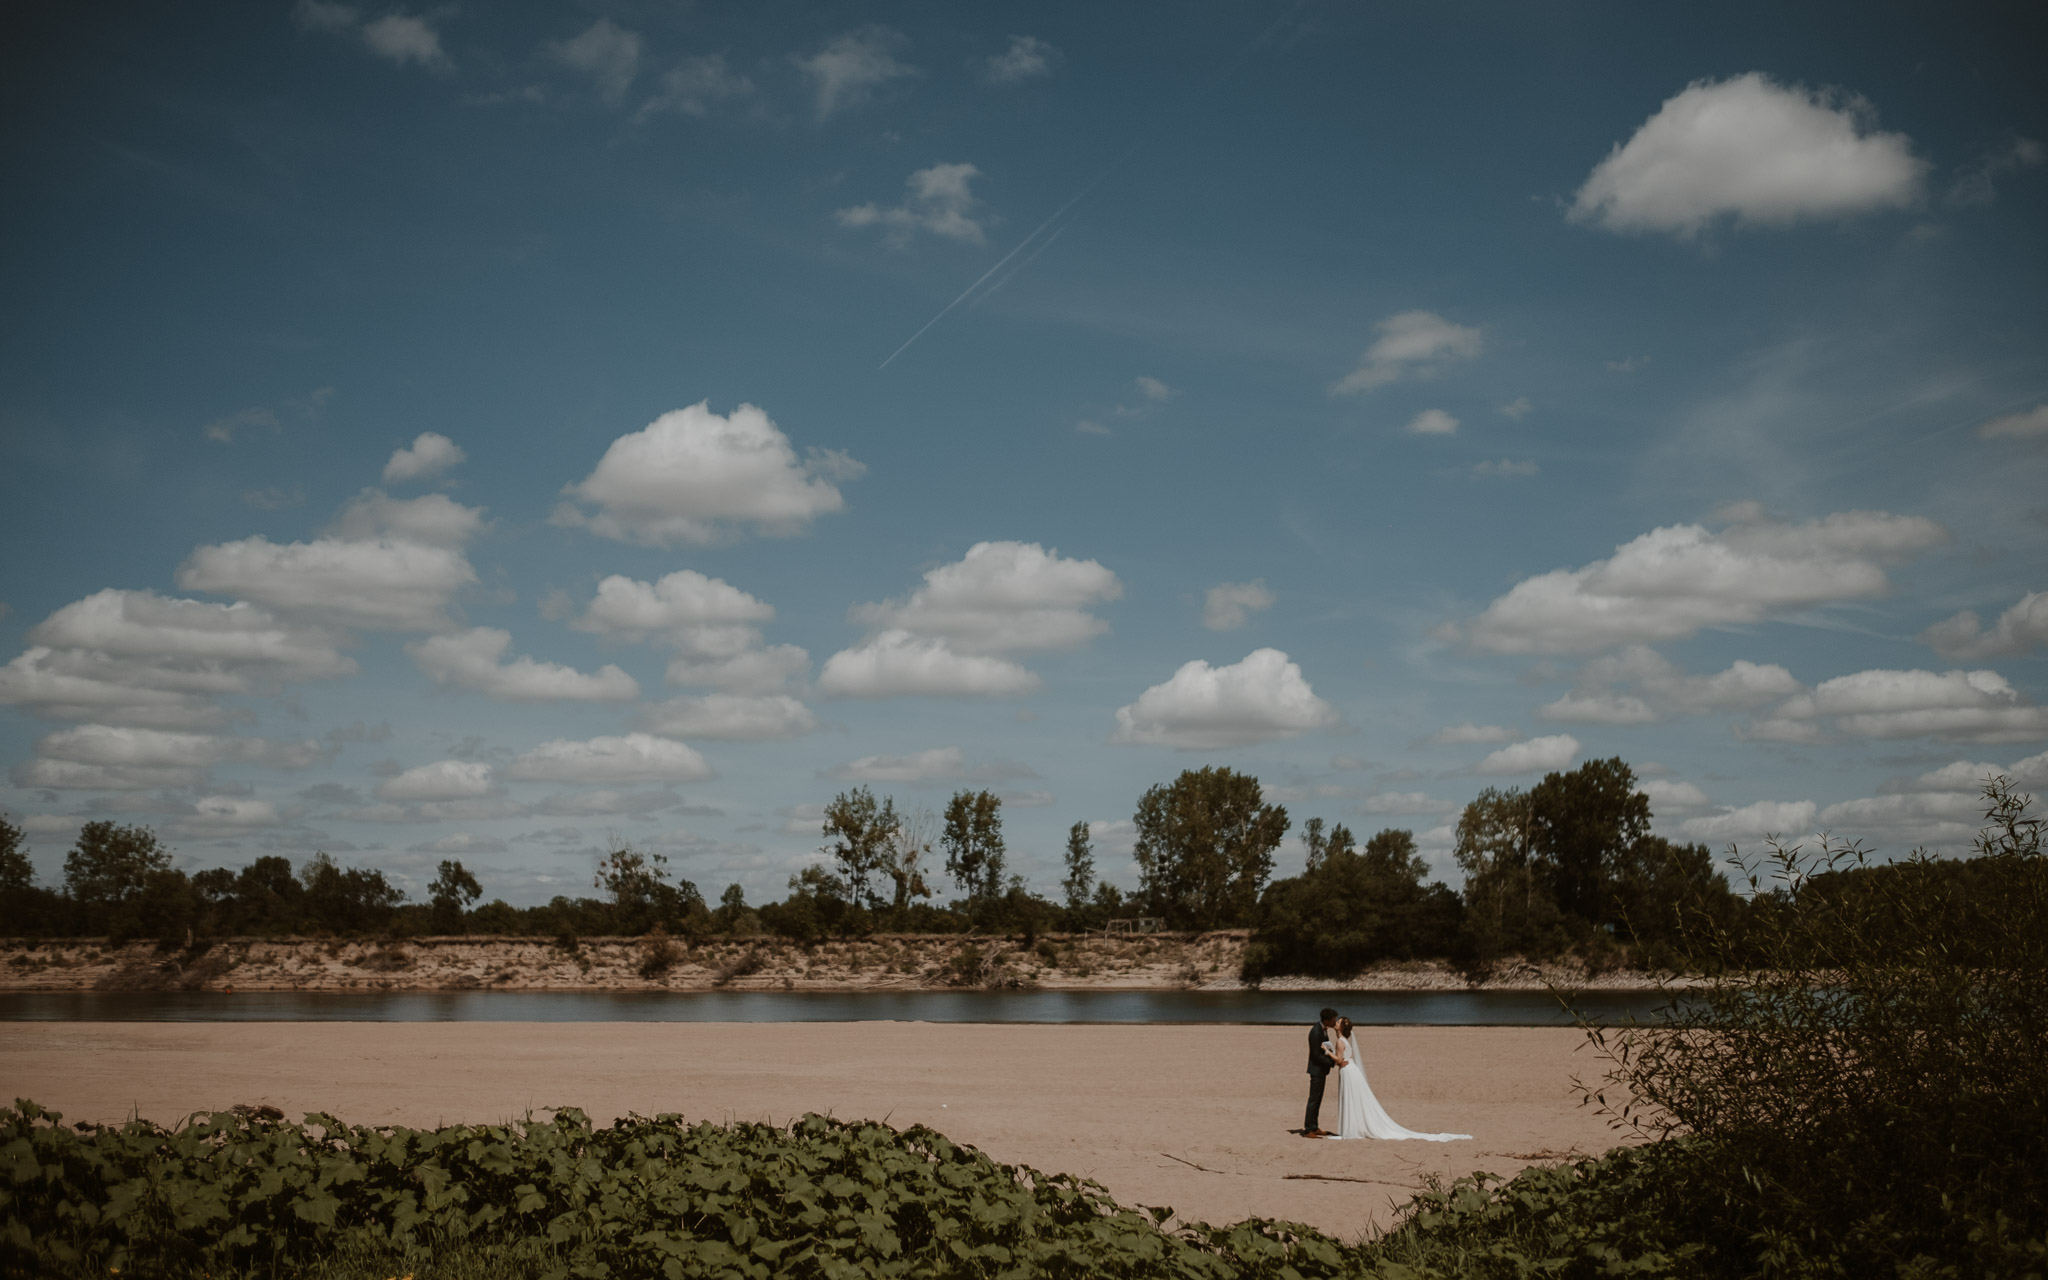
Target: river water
x,y
1368,1008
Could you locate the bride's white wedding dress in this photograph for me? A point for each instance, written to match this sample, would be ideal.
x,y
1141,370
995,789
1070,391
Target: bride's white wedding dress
x,y
1360,1115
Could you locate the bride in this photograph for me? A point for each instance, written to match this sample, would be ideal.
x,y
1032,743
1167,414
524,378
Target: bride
x,y
1359,1114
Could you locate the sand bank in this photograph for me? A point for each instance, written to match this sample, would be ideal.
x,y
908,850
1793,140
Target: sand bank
x,y
1077,962
1192,1117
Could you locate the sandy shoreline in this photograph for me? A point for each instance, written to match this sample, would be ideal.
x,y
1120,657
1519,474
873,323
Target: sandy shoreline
x,y
1195,1117
1166,962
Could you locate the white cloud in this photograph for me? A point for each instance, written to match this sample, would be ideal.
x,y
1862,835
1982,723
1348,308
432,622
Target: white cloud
x,y
317,15
1432,422
1791,819
936,765
636,757
1956,706
379,583
2028,424
403,38
607,801
939,199
1506,467
1412,344
897,663
441,780
222,430
2017,631
1516,409
694,86
474,660
433,520
1537,755
428,455
1667,795
1155,390
1942,808
222,816
607,53
121,746
1674,580
1469,734
1259,699
672,608
460,842
70,775
1002,597
1753,150
691,473
851,67
136,657
1226,605
1662,689
732,718
1026,58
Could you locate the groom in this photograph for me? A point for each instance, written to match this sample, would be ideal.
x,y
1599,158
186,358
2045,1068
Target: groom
x,y
1319,1064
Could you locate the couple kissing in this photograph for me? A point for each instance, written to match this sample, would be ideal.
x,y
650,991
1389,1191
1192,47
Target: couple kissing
x,y
1333,1046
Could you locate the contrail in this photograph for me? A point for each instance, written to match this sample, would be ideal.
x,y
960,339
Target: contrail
x,y
1011,274
969,290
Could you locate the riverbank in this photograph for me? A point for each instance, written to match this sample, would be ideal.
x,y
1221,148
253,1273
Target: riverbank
x,y
1193,1117
885,962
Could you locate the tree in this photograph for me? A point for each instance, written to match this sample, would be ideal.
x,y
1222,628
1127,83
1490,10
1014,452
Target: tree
x,y
1320,845
453,889
973,838
1080,880
641,896
1507,908
17,873
106,871
347,901
904,853
1205,847
860,833
1352,909
1583,825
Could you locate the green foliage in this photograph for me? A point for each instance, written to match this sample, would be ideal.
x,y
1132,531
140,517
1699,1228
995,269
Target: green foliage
x,y
1351,908
454,887
1205,847
1864,1084
17,873
1080,878
973,840
859,833
106,872
228,1193
347,900
1581,826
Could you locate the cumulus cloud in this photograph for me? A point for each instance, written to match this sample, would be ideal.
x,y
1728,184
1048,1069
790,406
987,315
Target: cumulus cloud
x,y
606,801
1259,699
1749,149
474,660
1536,755
1668,795
765,670
635,757
441,780
1674,580
1386,802
1955,706
694,86
897,663
850,67
428,455
1976,184
120,746
1027,58
1787,818
433,520
607,53
711,624
1942,808
1432,422
136,657
939,199
1661,689
692,474
1228,605
374,584
2017,631
2028,424
1468,734
1003,597
935,765
1412,344
460,842
732,718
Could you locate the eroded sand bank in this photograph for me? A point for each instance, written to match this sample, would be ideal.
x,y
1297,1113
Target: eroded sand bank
x,y
1195,1117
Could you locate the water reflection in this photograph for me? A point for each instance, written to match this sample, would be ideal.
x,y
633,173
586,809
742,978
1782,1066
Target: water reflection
x,y
1421,1008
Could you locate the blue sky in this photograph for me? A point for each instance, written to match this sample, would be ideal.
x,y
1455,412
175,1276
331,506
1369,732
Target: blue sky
x,y
494,432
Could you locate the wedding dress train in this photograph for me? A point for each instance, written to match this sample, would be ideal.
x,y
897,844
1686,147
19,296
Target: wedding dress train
x,y
1360,1115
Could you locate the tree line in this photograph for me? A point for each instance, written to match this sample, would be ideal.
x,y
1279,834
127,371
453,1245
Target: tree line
x,y
1568,866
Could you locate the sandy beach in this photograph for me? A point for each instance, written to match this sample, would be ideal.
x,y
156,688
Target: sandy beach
x,y
1195,1117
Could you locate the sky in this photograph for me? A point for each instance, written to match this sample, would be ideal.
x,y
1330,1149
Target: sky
x,y
501,432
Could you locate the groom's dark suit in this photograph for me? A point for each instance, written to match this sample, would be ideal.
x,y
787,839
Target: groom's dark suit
x,y
1318,1076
